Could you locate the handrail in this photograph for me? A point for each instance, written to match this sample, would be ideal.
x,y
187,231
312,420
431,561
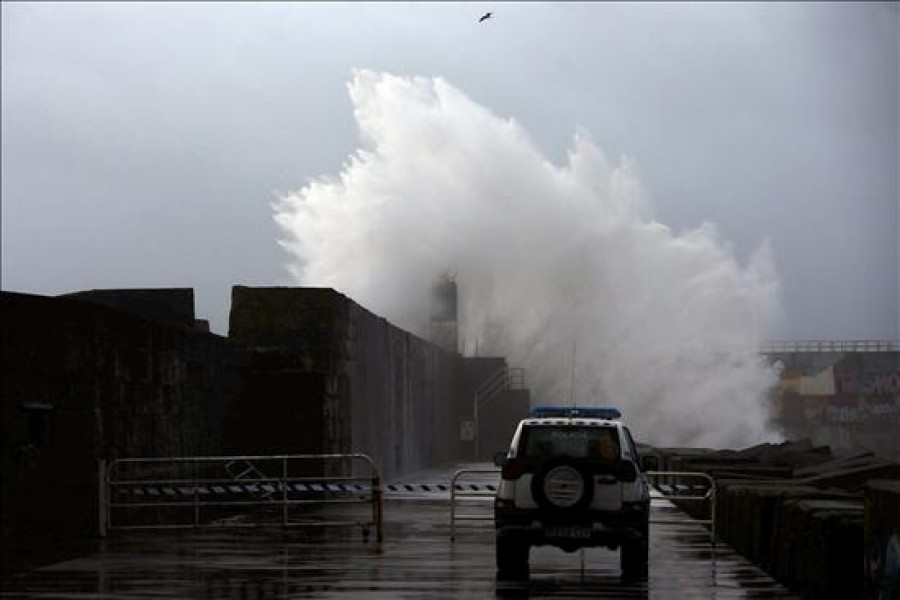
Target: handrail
x,y
276,492
495,379
709,495
469,496
516,378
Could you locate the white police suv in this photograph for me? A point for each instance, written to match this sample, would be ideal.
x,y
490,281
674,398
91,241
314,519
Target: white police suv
x,y
571,479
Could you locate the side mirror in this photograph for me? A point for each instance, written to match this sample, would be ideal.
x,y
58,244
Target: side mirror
x,y
500,459
649,462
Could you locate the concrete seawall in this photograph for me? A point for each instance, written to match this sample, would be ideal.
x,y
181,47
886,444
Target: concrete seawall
x,y
325,375
81,382
109,374
320,371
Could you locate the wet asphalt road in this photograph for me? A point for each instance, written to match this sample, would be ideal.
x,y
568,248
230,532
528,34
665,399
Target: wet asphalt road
x,y
415,560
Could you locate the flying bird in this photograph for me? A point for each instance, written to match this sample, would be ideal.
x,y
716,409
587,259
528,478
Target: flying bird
x,y
485,17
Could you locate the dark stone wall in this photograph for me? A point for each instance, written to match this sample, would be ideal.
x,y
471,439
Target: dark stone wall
x,y
397,391
173,305
367,386
288,354
498,421
127,373
276,413
80,382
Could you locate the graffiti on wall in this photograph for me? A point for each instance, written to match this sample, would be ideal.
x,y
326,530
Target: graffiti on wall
x,y
849,400
855,389
842,411
875,374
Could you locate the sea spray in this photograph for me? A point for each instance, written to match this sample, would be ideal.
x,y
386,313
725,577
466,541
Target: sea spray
x,y
666,324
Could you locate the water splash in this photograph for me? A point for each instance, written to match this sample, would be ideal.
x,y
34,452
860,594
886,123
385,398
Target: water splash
x,y
666,324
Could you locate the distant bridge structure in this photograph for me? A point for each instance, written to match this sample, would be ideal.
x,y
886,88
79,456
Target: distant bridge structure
x,y
794,346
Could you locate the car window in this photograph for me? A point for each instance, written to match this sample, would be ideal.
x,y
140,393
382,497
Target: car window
x,y
632,447
540,441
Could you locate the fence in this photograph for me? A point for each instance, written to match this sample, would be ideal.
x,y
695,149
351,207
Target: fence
x,y
672,490
216,491
474,492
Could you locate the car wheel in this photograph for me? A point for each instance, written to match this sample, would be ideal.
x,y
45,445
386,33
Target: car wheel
x,y
512,558
634,557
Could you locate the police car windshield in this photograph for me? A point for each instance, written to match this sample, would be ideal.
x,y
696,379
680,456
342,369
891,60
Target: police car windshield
x,y
595,442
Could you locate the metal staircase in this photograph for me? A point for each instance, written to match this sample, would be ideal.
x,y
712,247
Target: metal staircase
x,y
503,379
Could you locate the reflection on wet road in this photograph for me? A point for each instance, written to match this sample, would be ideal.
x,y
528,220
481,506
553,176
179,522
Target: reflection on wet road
x,y
416,560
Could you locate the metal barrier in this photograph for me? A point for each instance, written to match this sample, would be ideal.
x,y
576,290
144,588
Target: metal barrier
x,y
150,488
458,492
710,495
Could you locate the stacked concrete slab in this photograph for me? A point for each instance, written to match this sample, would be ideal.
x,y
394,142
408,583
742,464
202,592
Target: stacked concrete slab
x,y
798,511
882,539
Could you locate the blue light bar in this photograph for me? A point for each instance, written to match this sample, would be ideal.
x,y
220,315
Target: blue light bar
x,y
574,412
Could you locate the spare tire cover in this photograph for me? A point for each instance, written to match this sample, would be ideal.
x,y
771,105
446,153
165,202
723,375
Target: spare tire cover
x,y
561,485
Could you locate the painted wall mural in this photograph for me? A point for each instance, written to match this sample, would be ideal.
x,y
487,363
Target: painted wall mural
x,y
848,400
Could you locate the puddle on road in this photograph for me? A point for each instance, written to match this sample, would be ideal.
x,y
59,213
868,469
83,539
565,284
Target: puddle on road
x,y
416,560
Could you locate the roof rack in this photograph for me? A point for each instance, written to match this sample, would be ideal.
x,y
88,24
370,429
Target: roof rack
x,y
574,412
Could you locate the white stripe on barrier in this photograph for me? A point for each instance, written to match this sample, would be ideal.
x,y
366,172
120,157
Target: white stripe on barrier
x,y
267,489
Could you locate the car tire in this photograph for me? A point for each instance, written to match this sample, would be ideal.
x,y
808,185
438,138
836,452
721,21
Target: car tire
x,y
634,557
512,558
538,490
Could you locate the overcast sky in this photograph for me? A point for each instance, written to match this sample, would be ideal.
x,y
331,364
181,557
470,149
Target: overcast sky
x,y
144,144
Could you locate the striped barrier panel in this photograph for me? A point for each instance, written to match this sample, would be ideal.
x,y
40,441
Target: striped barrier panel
x,y
149,493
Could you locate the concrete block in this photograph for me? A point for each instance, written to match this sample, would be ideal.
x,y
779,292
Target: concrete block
x,y
747,513
882,539
855,478
855,460
833,547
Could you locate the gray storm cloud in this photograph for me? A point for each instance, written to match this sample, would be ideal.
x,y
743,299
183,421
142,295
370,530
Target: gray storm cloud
x,y
547,257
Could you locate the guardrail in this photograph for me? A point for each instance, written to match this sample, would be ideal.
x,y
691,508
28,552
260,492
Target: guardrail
x,y
791,346
149,489
709,495
458,492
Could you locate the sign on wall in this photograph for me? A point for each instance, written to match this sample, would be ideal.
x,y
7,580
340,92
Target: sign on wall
x,y
466,430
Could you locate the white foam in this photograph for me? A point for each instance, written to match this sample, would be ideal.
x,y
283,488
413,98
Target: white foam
x,y
666,324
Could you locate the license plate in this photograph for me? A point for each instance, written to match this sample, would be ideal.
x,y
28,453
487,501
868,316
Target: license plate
x,y
567,531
